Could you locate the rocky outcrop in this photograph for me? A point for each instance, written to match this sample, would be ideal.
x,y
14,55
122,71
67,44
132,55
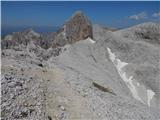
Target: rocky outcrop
x,y
46,40
18,38
103,88
77,28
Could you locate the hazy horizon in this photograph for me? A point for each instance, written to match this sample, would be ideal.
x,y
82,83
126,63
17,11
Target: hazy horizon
x,y
39,29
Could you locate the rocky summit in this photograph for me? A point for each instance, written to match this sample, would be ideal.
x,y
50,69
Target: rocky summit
x,y
82,72
77,28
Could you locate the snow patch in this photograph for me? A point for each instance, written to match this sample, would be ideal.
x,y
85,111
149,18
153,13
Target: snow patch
x,y
120,64
150,95
111,55
90,40
131,86
129,81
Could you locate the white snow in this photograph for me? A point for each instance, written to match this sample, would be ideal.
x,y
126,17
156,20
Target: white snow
x,y
88,41
150,95
111,55
120,64
131,86
129,81
138,84
91,41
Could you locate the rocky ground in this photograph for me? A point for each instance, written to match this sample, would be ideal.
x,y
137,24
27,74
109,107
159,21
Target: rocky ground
x,y
82,80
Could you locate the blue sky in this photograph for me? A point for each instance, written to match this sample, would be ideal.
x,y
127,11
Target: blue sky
x,y
116,14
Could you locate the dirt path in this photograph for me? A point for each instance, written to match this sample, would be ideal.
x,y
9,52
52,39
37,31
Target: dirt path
x,y
61,100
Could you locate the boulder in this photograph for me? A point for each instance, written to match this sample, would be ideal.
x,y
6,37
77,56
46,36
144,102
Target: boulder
x,y
103,87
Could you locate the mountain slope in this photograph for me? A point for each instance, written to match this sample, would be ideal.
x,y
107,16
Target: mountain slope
x,y
92,74
80,58
148,32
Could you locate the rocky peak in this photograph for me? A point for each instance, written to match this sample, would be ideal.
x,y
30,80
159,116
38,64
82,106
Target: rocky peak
x,y
31,32
17,38
77,28
79,15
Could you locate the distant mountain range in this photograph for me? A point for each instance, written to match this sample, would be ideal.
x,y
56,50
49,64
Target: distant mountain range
x,y
40,29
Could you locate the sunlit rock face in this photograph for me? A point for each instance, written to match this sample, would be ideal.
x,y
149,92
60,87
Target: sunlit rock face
x,y
139,92
77,28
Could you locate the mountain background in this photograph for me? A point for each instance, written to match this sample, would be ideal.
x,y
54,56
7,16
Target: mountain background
x,y
43,30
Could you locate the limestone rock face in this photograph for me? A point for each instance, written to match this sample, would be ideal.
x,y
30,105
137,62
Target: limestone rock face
x,y
77,28
17,38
